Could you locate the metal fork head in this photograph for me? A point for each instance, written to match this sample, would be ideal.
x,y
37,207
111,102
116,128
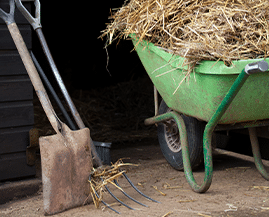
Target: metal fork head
x,y
118,186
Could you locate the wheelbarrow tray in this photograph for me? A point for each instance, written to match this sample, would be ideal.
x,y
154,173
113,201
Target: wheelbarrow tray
x,y
200,94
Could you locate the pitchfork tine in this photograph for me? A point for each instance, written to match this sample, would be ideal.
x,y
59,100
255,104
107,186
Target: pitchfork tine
x,y
117,198
138,189
102,200
107,204
117,184
127,195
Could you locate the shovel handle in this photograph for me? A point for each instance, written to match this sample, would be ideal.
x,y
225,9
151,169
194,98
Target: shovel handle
x,y
34,77
35,22
29,65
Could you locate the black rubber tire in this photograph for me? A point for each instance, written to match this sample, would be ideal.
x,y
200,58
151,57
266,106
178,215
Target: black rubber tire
x,y
173,154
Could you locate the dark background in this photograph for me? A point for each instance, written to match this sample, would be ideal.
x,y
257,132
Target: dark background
x,y
72,31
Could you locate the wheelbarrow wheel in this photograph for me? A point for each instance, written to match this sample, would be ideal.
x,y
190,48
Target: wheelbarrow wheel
x,y
169,139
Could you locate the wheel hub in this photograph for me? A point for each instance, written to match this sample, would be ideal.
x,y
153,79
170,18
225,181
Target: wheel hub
x,y
172,136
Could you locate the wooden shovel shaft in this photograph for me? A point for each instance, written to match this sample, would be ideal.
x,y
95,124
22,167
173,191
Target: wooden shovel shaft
x,y
37,83
33,74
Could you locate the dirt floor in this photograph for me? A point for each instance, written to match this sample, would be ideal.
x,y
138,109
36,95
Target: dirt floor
x,y
237,188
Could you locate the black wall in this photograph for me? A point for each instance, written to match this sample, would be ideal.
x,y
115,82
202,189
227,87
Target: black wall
x,y
72,31
16,102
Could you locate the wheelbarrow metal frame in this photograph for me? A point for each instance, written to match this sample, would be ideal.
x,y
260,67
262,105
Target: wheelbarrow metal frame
x,y
207,137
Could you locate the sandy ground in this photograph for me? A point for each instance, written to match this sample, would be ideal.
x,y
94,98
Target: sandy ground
x,y
237,189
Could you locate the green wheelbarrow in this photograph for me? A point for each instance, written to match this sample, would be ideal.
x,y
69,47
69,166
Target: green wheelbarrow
x,y
214,97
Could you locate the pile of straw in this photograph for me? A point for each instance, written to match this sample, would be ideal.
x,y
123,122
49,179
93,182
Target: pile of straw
x,y
103,176
197,29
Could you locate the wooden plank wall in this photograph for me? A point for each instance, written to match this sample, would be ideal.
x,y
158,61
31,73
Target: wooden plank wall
x,y
16,102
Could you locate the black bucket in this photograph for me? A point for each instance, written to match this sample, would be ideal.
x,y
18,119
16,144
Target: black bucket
x,y
103,150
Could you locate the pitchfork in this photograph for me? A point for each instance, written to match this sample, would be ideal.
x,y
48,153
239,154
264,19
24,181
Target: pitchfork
x,y
36,24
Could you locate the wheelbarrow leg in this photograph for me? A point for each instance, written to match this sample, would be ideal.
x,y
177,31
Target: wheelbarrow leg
x,y
256,152
185,151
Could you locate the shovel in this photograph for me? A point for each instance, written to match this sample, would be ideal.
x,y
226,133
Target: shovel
x,y
66,156
36,24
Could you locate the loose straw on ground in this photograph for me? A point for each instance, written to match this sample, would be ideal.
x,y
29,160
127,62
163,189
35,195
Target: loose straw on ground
x,y
102,176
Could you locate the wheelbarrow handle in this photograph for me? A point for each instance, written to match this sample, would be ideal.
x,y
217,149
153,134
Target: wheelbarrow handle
x,y
252,68
35,22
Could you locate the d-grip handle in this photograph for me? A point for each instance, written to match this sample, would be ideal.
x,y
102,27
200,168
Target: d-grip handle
x,y
252,68
8,17
35,22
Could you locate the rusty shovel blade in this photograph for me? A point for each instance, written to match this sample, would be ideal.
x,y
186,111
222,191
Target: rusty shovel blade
x,y
66,165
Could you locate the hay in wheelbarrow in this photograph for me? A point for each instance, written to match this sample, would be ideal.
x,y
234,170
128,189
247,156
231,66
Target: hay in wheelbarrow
x,y
196,29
